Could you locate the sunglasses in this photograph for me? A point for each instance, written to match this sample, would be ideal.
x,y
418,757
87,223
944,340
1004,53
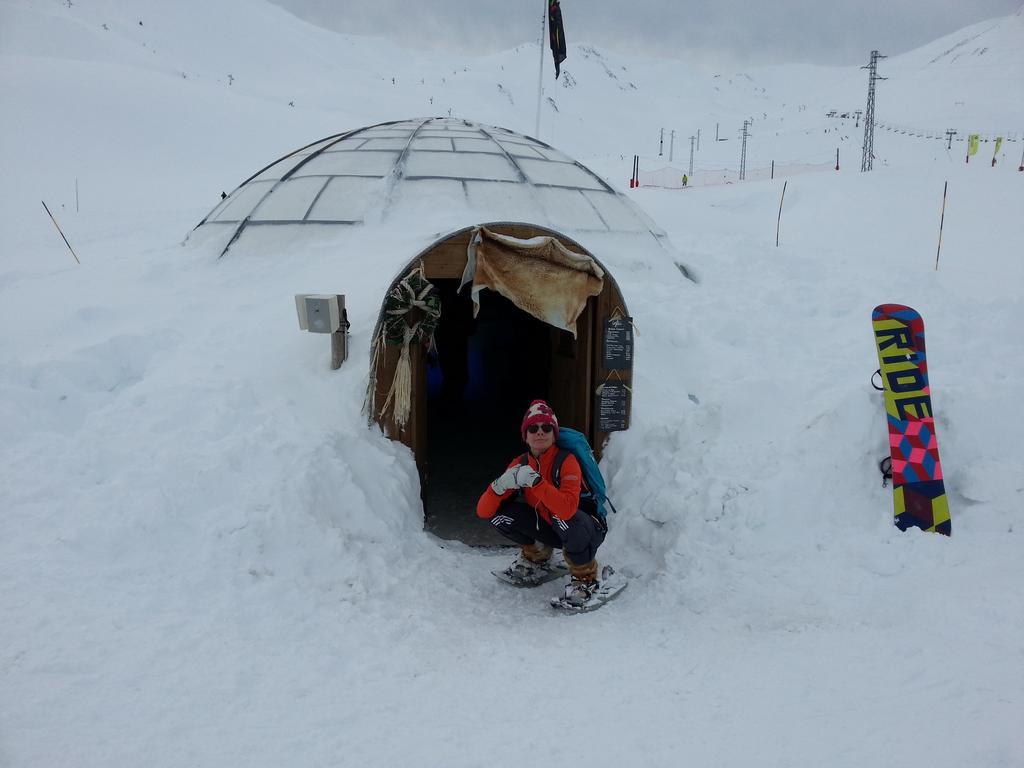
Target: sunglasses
x,y
532,429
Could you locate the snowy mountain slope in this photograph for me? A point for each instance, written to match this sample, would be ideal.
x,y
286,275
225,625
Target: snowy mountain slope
x,y
207,558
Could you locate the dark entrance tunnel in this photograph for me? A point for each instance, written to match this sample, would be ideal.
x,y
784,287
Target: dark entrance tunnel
x,y
484,374
468,396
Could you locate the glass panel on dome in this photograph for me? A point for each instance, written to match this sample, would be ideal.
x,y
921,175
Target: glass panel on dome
x,y
521,150
429,142
241,201
475,145
616,212
385,144
280,168
513,138
451,133
554,154
212,215
289,201
569,208
350,163
347,145
460,166
346,198
387,133
513,202
560,174
423,198
311,149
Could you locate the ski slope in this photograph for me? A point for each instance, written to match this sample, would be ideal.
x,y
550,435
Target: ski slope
x,y
208,559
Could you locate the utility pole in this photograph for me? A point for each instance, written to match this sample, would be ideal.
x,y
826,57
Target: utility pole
x,y
950,133
857,115
692,138
698,139
743,152
868,153
661,143
671,145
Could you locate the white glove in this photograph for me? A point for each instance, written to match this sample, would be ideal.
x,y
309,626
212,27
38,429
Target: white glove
x,y
515,477
505,482
527,476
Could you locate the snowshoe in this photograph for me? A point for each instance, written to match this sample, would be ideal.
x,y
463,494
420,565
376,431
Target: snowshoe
x,y
581,597
525,573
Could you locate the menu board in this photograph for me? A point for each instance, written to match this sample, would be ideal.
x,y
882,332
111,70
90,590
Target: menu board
x,y
612,407
618,344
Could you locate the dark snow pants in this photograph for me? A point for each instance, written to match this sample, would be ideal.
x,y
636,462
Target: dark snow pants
x,y
579,537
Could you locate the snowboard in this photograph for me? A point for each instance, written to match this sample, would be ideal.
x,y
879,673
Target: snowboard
x,y
556,571
919,496
612,584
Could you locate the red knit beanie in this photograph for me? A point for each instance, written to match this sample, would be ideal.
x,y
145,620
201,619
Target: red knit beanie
x,y
539,412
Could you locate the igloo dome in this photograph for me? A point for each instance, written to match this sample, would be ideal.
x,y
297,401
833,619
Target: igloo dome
x,y
443,171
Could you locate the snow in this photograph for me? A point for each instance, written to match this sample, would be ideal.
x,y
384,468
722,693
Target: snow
x,y
209,559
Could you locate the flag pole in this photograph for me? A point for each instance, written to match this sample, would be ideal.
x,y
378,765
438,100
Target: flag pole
x,y
540,70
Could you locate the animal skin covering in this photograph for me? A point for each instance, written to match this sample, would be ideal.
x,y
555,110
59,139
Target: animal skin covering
x,y
539,275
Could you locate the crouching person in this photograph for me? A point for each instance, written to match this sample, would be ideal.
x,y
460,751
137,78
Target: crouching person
x,y
535,504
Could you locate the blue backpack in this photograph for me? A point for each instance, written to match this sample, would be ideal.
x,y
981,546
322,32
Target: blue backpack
x,y
592,490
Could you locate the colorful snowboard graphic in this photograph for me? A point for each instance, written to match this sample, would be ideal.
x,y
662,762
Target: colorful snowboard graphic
x,y
918,493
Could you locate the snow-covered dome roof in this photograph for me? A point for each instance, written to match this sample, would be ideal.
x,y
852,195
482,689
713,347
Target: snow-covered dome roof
x,y
426,169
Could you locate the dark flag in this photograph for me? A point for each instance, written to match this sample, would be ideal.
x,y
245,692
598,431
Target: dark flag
x,y
557,34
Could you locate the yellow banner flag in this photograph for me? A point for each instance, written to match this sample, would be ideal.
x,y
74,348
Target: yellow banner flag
x,y
972,144
999,143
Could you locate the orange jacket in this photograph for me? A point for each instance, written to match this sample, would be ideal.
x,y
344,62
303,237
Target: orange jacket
x,y
548,500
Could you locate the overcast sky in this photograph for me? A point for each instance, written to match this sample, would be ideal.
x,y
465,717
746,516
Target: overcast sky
x,y
724,31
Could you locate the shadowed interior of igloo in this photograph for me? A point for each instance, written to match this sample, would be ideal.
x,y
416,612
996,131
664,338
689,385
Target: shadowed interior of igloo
x,y
485,373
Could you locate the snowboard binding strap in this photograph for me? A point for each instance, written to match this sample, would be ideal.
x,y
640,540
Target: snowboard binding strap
x,y
885,467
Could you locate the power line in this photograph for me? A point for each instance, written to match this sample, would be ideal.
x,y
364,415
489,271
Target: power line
x,y
868,154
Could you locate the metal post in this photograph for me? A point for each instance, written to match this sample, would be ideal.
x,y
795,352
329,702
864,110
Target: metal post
x,y
540,69
942,221
60,230
692,138
778,223
743,152
339,338
950,133
672,146
698,139
868,152
661,143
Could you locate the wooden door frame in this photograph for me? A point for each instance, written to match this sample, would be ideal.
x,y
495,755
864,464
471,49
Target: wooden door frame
x,y
446,258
